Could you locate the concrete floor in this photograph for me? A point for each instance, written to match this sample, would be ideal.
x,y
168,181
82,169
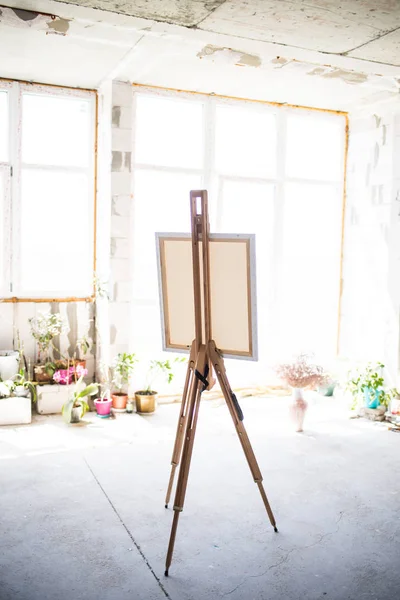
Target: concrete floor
x,y
83,517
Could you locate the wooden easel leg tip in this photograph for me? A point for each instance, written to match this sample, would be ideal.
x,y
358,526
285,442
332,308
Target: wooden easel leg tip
x,y
276,529
166,506
166,573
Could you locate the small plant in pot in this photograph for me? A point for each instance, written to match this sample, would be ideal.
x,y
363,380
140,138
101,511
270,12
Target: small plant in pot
x,y
44,328
76,406
367,388
146,399
123,367
103,402
23,387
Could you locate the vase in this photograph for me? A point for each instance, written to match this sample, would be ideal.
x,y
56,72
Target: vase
x,y
298,408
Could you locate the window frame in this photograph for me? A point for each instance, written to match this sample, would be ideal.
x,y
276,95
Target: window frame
x,y
214,180
11,290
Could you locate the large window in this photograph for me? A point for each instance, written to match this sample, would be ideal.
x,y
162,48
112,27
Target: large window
x,y
276,172
47,203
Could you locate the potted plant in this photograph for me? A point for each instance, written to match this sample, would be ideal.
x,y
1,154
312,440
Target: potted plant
x,y
104,401
366,385
147,397
23,387
299,374
76,406
83,345
14,410
123,367
44,328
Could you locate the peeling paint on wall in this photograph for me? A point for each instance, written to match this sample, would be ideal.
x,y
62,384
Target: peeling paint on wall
x,y
58,25
29,19
346,76
222,54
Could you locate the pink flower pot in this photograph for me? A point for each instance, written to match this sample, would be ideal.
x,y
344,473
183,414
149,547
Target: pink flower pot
x,y
103,407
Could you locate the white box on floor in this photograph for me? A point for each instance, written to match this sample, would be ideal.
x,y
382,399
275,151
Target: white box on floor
x,y
50,398
15,410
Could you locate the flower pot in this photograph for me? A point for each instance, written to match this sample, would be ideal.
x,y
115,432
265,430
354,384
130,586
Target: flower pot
x,y
103,407
119,400
15,411
76,414
298,408
9,362
145,403
41,375
372,397
21,391
51,398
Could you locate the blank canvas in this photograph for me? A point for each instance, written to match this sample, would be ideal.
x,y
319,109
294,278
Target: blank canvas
x,y
232,291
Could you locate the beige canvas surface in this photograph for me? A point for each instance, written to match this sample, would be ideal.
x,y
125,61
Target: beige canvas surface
x,y
232,294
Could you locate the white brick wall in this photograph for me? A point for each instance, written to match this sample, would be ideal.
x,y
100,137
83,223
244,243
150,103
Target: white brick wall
x,y
121,191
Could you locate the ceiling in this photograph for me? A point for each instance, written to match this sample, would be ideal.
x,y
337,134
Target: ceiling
x,y
324,53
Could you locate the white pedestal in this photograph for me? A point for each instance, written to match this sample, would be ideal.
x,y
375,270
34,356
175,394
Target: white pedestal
x,y
15,411
50,398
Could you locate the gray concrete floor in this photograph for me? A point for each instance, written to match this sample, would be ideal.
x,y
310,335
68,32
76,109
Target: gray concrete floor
x,y
83,517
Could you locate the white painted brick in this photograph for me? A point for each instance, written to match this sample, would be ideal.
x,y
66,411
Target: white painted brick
x,y
120,248
119,322
119,227
122,94
121,139
120,269
121,205
123,291
121,183
115,349
126,117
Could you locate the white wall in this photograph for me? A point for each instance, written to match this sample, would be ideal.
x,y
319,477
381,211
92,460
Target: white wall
x,y
371,269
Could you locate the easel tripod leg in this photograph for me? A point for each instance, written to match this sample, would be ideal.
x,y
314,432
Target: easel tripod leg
x,y
234,409
180,432
196,389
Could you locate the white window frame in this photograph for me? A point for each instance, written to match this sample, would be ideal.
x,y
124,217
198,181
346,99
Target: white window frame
x,y
11,289
212,180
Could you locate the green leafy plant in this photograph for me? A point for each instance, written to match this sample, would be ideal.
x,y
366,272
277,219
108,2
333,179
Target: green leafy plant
x,y
44,328
20,380
159,368
371,379
123,367
83,346
78,399
6,388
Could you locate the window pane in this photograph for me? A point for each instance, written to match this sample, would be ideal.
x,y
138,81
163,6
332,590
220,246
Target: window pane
x,y
315,147
56,241
3,126
310,269
245,141
161,205
56,131
169,132
2,229
249,208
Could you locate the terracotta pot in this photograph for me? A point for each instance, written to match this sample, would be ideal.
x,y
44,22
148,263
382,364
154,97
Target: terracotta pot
x,y
145,403
119,400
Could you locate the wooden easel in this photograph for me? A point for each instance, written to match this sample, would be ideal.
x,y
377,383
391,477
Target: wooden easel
x,y
203,360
